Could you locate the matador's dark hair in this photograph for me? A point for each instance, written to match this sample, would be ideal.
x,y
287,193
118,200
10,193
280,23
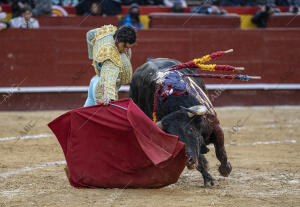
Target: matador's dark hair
x,y
125,34
26,8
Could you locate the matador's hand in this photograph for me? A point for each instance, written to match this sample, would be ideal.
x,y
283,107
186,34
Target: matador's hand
x,y
104,101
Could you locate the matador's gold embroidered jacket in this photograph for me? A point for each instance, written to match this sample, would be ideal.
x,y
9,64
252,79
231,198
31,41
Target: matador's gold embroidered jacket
x,y
113,67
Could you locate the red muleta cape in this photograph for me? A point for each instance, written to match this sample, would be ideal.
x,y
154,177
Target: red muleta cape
x,y
115,147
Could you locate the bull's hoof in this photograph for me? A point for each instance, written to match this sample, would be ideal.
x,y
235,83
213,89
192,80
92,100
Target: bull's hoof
x,y
225,170
191,164
208,179
190,167
209,183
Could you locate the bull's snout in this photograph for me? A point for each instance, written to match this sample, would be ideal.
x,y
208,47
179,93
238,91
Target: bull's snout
x,y
191,163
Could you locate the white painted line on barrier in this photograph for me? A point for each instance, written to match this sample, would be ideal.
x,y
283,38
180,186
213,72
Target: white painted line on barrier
x,y
254,86
50,89
45,89
26,169
60,89
26,137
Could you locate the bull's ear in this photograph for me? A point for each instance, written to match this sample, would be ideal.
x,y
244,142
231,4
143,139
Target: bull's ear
x,y
159,125
196,110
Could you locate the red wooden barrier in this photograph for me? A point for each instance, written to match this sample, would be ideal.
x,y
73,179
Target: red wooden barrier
x,y
58,57
185,20
284,20
77,21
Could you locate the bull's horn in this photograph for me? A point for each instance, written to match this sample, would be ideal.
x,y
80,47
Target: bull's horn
x,y
196,110
159,125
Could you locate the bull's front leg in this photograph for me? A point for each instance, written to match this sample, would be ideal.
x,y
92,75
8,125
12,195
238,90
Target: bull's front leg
x,y
218,141
202,167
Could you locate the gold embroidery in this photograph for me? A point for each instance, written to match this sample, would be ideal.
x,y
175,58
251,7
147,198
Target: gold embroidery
x,y
125,74
104,48
105,30
108,52
99,91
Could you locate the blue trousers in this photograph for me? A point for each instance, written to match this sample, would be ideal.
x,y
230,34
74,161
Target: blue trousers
x,y
91,99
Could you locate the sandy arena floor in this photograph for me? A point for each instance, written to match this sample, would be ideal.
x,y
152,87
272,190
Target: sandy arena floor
x,y
263,145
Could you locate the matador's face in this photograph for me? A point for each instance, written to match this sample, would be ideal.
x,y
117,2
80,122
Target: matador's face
x,y
124,47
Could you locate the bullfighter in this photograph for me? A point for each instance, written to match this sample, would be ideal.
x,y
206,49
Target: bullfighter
x,y
110,49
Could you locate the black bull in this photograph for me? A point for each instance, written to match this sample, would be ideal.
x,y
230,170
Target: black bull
x,y
180,111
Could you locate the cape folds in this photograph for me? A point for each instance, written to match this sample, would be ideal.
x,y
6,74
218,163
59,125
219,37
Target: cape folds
x,y
117,146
